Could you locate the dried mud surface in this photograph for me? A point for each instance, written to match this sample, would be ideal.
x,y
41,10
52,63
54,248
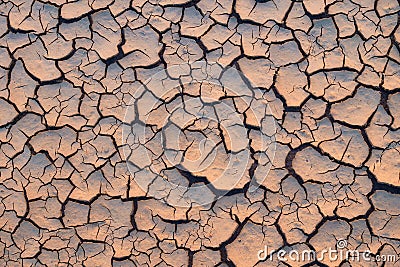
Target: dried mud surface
x,y
328,70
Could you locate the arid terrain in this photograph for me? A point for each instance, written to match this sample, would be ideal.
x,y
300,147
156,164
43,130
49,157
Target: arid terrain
x,y
199,133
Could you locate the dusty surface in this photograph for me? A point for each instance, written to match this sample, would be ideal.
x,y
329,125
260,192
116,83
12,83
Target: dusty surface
x,y
328,70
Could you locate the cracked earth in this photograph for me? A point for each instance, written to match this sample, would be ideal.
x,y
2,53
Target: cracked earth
x,y
305,155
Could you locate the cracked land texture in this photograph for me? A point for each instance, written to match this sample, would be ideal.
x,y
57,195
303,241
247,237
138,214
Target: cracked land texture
x,y
198,133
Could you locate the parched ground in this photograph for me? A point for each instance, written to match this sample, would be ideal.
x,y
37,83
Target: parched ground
x,y
124,140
